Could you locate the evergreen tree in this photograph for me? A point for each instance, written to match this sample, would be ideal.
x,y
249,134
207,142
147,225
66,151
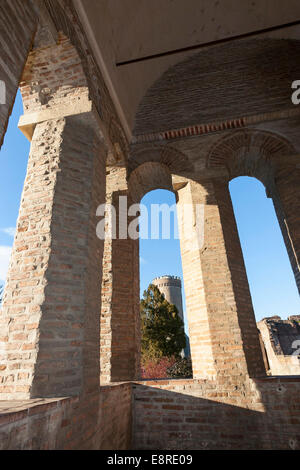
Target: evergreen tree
x,y
162,328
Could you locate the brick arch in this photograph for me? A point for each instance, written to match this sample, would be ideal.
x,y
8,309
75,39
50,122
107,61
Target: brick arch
x,y
176,161
147,177
65,18
252,152
118,140
248,153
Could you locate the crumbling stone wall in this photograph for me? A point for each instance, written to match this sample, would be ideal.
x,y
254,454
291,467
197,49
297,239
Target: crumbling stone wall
x,y
281,339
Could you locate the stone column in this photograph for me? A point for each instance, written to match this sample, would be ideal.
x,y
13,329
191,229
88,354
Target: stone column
x,y
18,23
223,334
50,330
120,314
286,199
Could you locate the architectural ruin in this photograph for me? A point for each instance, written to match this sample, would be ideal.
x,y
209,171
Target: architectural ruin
x,y
102,125
281,344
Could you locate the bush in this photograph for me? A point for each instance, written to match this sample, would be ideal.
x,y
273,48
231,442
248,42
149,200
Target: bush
x,y
156,369
181,368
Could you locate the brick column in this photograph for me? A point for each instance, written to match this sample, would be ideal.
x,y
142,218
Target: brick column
x,y
286,199
18,23
50,317
120,315
223,333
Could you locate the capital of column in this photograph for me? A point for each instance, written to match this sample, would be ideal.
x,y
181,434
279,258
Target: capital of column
x,y
83,108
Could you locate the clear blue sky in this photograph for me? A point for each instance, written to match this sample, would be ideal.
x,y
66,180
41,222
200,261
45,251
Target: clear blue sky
x,y
13,162
272,284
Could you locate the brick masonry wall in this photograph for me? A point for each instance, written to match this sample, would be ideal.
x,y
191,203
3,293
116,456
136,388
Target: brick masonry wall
x,y
49,328
116,416
237,307
50,336
194,90
120,316
18,23
102,422
287,204
66,20
203,414
197,312
222,328
175,414
53,76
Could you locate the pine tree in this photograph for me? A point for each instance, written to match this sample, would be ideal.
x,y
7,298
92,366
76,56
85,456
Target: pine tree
x,y
162,328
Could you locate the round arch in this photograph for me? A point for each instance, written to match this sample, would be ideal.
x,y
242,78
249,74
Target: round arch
x,y
177,162
249,153
147,177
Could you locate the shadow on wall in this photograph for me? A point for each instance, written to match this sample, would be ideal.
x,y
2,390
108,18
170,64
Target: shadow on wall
x,y
181,414
100,421
168,419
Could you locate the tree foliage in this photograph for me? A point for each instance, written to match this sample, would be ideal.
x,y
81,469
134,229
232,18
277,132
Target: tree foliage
x,y
181,368
156,368
162,328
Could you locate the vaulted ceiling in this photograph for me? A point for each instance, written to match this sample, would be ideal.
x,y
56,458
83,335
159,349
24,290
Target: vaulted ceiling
x,y
124,30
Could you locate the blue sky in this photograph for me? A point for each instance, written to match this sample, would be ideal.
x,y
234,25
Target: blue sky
x,y
272,283
13,162
271,280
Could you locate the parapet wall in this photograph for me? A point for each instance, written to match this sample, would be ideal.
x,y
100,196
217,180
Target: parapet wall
x,y
202,414
99,422
161,414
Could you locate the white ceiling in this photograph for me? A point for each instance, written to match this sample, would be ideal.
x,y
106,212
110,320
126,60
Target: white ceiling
x,y
120,30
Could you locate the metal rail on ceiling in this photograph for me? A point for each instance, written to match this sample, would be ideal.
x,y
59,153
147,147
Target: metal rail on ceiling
x,y
210,43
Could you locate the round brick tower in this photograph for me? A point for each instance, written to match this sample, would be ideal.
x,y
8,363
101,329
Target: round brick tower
x,y
170,286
